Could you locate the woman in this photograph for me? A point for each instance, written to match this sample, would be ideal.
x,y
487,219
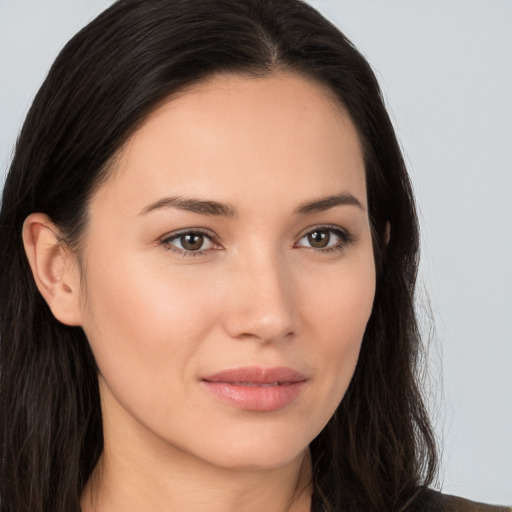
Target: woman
x,y
207,292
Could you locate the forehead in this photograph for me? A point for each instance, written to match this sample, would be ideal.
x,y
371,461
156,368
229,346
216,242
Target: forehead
x,y
231,136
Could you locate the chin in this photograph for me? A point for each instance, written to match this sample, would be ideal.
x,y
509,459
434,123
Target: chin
x,y
260,461
253,453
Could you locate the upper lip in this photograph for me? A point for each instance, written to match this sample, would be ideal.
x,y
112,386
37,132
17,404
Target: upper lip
x,y
257,375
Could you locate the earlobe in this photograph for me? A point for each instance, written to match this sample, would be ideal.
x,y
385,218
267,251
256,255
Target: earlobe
x,y
385,242
53,267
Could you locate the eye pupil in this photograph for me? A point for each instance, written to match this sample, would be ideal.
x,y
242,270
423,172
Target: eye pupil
x,y
192,241
319,239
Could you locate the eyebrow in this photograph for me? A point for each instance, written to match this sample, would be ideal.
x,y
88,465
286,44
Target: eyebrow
x,y
203,207
325,203
214,208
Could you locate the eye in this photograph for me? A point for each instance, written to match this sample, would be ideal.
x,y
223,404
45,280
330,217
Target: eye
x,y
326,239
190,243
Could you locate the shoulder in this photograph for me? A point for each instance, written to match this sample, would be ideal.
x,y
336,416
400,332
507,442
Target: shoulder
x,y
433,501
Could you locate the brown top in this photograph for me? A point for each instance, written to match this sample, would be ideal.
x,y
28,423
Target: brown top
x,y
432,501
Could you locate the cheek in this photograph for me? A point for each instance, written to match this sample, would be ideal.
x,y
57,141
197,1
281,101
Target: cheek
x,y
341,298
141,318
338,312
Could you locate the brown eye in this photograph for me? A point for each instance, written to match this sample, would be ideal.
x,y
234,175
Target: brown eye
x,y
319,239
326,239
192,242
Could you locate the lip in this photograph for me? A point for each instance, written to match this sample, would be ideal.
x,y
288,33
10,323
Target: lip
x,y
256,389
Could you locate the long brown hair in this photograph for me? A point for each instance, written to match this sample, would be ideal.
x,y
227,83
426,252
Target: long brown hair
x,y
378,449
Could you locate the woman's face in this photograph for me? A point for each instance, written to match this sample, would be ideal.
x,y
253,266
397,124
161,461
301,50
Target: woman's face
x,y
229,273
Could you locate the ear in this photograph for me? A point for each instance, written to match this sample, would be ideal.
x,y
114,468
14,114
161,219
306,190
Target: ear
x,y
54,268
387,234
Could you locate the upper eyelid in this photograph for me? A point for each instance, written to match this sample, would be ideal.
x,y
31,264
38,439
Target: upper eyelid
x,y
346,236
215,238
324,227
182,232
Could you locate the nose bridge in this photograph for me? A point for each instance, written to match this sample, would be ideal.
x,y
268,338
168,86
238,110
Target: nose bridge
x,y
261,301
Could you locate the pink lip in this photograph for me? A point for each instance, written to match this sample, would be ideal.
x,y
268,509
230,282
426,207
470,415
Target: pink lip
x,y
256,389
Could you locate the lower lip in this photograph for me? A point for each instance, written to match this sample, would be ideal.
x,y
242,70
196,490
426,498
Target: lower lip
x,y
255,398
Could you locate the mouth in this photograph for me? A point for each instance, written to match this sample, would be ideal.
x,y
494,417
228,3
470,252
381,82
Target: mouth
x,y
256,389
261,384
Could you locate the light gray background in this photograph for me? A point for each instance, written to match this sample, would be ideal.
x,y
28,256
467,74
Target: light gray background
x,y
446,71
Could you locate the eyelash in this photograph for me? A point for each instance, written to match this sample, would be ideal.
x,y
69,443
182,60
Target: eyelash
x,y
209,234
345,240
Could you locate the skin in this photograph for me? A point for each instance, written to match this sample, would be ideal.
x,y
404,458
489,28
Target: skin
x,y
263,293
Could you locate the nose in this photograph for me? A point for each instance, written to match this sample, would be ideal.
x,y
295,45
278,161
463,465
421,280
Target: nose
x,y
260,299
